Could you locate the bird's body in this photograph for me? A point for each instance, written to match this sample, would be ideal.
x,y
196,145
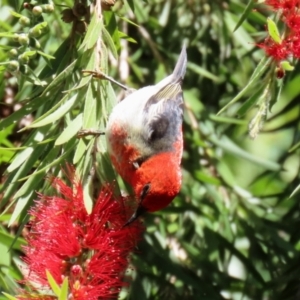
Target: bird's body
x,y
144,137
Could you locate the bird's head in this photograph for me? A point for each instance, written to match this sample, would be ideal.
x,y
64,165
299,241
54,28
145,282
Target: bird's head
x,y
156,183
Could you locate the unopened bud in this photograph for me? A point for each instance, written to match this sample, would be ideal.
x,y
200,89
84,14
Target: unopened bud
x,y
37,10
24,21
48,8
13,66
23,39
16,37
35,32
23,59
279,73
13,53
27,5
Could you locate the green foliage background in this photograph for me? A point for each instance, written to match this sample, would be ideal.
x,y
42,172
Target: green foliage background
x,y
232,232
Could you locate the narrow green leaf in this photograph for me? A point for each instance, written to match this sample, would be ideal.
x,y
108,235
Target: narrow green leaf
x,y
9,296
286,65
54,286
294,147
295,191
21,204
227,120
228,145
249,103
263,65
59,78
60,112
90,109
45,55
201,71
7,34
245,14
64,290
92,34
273,31
80,151
70,131
122,35
22,156
202,177
7,240
15,14
110,43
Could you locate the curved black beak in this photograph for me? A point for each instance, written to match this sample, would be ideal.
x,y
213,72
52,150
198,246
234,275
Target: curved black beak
x,y
138,212
140,209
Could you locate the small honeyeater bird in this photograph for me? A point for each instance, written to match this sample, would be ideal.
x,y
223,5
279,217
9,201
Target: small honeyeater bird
x,y
144,138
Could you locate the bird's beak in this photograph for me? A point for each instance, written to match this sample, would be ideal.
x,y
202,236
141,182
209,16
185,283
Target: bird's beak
x,y
138,212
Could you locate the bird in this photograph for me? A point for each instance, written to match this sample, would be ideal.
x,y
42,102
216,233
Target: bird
x,y
145,141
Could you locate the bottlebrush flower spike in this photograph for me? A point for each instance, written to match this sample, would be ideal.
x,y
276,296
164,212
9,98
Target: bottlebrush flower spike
x,y
91,250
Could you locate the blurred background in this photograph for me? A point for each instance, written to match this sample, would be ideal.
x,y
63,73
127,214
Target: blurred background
x,y
232,232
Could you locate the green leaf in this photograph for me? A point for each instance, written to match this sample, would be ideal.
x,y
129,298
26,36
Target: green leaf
x,y
7,240
9,296
22,202
228,145
54,286
92,34
110,43
249,103
201,71
45,55
68,71
286,65
64,290
273,31
295,191
262,66
202,177
7,34
245,14
70,131
57,114
15,14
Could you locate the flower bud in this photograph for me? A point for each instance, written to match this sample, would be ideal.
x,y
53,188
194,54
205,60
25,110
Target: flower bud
x,y
13,53
23,39
16,37
35,32
24,21
23,59
48,8
13,66
37,10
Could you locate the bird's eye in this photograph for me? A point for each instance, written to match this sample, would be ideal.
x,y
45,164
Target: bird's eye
x,y
145,191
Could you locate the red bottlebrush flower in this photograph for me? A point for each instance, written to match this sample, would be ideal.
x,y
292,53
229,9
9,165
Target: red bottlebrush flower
x,y
285,5
295,45
292,20
91,250
279,51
